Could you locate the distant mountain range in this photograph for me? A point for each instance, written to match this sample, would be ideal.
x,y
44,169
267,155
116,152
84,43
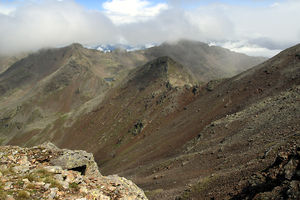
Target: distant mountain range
x,y
183,121
111,47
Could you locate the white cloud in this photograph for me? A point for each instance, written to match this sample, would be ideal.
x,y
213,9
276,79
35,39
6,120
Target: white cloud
x,y
262,30
276,23
175,24
212,22
53,23
248,48
6,9
35,24
275,4
128,11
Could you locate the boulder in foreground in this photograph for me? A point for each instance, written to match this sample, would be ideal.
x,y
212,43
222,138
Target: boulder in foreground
x,y
47,172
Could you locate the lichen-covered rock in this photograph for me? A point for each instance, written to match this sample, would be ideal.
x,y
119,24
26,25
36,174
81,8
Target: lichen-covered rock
x,y
47,172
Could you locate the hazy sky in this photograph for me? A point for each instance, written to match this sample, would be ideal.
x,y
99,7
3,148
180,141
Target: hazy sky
x,y
254,27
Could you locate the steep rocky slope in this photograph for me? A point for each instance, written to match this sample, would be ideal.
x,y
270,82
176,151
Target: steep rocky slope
x,y
46,172
238,129
211,136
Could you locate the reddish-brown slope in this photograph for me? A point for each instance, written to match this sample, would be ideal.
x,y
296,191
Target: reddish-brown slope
x,y
155,158
201,139
147,97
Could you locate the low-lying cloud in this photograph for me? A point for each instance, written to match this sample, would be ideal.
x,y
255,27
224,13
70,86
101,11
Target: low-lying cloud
x,y
53,23
30,25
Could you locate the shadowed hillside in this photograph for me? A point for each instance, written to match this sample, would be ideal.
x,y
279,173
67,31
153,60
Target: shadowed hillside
x,y
51,85
7,61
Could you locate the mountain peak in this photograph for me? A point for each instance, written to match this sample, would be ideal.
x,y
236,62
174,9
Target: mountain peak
x,y
167,69
161,63
76,45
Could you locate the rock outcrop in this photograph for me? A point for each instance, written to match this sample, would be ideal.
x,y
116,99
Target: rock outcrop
x,y
47,172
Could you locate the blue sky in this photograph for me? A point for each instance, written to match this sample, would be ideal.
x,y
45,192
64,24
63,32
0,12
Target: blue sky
x,y
254,27
91,4
97,4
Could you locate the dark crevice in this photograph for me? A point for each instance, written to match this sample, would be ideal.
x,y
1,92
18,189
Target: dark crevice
x,y
43,160
296,176
284,194
276,163
81,169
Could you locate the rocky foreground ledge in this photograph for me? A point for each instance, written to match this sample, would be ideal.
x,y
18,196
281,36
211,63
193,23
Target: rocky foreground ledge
x,y
47,172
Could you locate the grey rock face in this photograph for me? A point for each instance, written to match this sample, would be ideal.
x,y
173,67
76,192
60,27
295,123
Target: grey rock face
x,y
78,161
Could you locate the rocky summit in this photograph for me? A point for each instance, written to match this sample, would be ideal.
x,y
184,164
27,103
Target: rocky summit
x,y
47,172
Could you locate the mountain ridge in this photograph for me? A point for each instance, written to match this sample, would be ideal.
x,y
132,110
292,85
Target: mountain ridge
x,y
147,129
199,58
